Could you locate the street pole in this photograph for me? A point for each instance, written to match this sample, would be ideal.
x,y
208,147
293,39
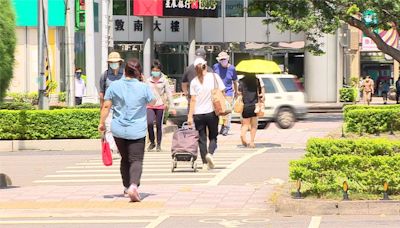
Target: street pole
x,y
147,44
91,96
70,52
104,34
42,49
192,40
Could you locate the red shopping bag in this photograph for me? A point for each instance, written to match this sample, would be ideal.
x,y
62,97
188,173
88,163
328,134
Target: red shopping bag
x,y
106,152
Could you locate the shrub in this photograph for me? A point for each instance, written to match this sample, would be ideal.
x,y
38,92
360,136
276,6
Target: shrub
x,y
31,97
62,96
7,45
348,94
89,105
365,147
348,108
372,120
16,106
46,124
364,174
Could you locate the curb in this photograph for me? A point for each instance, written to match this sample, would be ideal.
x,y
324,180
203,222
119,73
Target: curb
x,y
60,144
324,207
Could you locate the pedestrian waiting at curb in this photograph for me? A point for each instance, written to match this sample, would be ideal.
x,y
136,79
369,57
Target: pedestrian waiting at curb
x,y
368,88
80,87
252,91
129,98
385,86
114,72
201,111
397,90
228,74
160,86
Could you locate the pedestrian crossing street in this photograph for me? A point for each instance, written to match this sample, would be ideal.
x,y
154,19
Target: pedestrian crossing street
x,y
156,170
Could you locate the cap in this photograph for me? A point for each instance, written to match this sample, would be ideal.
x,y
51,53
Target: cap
x,y
200,52
114,57
199,61
222,55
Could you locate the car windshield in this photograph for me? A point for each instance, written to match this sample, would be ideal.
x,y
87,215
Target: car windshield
x,y
289,84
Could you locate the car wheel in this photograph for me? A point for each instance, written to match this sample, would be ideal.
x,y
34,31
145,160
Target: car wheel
x,y
285,118
263,125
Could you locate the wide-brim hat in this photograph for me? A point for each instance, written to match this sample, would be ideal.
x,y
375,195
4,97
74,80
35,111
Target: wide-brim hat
x,y
114,57
198,61
222,55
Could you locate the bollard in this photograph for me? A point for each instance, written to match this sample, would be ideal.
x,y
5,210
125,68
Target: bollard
x,y
385,191
298,188
377,132
345,191
343,136
391,128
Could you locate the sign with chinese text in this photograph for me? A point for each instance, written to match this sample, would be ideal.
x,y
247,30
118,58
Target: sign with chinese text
x,y
148,7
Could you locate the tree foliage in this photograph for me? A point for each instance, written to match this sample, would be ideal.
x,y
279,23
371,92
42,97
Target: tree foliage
x,y
316,17
7,45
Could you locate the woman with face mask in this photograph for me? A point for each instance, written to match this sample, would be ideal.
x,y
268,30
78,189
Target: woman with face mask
x,y
159,84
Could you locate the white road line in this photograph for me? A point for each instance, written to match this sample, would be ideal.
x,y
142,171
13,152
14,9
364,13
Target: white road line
x,y
74,221
152,163
220,176
118,175
147,167
158,221
315,222
119,180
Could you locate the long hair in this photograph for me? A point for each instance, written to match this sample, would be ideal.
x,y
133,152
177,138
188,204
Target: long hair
x,y
133,68
199,72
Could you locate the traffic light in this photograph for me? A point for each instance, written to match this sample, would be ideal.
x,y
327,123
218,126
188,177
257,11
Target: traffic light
x,y
79,15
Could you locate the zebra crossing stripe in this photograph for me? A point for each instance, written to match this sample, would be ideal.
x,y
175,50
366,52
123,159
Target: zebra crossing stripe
x,y
197,179
119,175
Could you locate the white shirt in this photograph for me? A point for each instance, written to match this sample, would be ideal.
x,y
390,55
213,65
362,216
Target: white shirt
x,y
203,92
80,87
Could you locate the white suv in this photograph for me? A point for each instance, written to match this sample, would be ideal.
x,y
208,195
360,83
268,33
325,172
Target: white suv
x,y
284,101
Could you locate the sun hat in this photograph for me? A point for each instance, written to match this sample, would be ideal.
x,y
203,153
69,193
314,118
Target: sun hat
x,y
199,61
114,57
222,55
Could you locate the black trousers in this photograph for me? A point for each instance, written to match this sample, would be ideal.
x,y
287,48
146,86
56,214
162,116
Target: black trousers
x,y
132,154
397,97
204,122
158,116
78,100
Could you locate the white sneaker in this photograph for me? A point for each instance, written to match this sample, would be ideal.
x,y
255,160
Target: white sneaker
x,y
205,167
210,161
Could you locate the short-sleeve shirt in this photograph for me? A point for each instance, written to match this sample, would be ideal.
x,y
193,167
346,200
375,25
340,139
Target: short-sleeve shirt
x,y
250,87
129,99
202,91
228,76
108,77
190,74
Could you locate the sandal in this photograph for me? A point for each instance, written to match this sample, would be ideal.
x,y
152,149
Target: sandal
x,y
251,145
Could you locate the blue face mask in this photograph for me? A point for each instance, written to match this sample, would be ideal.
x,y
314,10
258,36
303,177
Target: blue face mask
x,y
114,66
156,74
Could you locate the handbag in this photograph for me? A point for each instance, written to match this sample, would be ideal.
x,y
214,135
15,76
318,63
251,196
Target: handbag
x,y
238,105
259,110
106,152
221,106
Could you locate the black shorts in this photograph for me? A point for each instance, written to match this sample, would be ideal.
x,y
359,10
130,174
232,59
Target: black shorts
x,y
248,111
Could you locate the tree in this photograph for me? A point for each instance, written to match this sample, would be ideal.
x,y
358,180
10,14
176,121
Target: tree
x,y
316,17
7,45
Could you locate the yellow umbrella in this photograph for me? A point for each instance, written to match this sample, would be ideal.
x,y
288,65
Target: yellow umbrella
x,y
258,66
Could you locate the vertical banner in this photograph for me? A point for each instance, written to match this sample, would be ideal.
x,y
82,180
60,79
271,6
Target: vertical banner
x,y
148,7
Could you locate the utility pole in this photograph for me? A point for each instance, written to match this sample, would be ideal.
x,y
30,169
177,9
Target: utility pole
x,y
42,52
70,52
104,34
92,96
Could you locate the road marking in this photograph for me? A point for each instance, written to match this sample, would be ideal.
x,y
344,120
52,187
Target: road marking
x,y
220,176
74,221
315,222
157,163
119,180
147,167
119,175
158,221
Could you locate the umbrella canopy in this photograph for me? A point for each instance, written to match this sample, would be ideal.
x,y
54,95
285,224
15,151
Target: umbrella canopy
x,y
258,66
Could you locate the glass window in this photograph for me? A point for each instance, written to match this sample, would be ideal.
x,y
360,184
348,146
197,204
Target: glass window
x,y
119,7
234,8
253,10
289,85
269,86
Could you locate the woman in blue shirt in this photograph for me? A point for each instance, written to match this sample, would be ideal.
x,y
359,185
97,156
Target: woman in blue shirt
x,y
128,97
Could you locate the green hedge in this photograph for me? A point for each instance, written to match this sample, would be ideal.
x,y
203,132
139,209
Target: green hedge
x,y
17,106
372,120
364,174
45,124
365,147
348,94
348,108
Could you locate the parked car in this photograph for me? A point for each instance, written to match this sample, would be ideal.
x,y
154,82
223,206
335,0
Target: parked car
x,y
284,102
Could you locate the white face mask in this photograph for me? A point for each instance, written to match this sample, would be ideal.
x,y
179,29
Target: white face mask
x,y
114,66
